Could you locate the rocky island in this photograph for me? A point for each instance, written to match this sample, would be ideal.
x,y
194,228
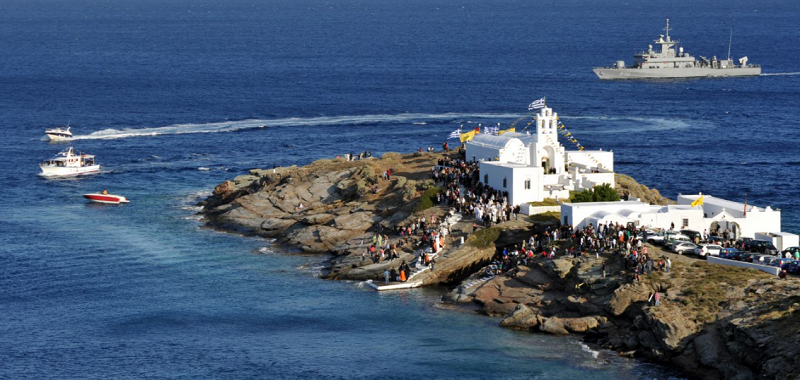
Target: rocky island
x,y
712,322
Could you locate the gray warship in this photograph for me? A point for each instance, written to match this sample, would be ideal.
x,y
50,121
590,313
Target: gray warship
x,y
672,63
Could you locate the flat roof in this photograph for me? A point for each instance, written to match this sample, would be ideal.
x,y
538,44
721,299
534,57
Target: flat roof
x,y
614,203
728,205
512,165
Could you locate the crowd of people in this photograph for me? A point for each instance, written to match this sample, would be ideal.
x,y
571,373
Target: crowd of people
x,y
466,194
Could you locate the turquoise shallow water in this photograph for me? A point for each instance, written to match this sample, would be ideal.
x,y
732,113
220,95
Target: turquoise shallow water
x,y
158,91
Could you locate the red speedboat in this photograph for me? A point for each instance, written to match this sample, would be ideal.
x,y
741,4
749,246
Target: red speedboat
x,y
105,197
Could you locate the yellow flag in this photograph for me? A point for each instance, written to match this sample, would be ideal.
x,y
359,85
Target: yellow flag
x,y
512,129
467,136
698,202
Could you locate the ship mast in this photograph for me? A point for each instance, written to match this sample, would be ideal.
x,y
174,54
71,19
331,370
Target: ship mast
x,y
729,44
667,30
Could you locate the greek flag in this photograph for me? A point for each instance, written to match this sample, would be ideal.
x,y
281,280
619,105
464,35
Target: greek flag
x,y
455,134
537,104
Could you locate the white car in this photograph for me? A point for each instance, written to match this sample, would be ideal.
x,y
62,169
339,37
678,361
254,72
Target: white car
x,y
654,237
682,247
708,249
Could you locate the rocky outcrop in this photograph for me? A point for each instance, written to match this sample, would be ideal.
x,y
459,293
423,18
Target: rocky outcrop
x,y
317,208
627,185
627,295
712,323
523,318
336,207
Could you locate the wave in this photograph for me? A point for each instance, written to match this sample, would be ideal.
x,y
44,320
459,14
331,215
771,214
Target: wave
x,y
779,74
586,348
629,124
232,126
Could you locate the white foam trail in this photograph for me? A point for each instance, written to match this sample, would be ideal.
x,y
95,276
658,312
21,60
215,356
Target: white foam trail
x,y
642,124
231,126
779,74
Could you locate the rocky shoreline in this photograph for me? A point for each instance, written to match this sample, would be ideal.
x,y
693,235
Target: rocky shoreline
x,y
713,322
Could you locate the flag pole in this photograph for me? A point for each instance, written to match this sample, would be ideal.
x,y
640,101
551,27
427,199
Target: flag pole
x,y
745,204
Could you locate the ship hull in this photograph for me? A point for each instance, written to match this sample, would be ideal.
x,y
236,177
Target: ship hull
x,y
63,171
675,73
59,137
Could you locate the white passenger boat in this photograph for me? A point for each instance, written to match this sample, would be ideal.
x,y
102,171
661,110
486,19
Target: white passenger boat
x,y
67,163
59,133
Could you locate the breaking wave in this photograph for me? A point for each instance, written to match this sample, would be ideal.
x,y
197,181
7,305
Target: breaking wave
x,y
232,126
592,352
779,74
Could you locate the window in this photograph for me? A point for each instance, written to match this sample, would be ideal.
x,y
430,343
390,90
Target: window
x,y
566,220
486,179
527,184
505,182
685,222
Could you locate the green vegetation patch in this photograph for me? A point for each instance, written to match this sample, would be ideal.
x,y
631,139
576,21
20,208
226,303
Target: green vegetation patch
x,y
484,238
601,193
426,199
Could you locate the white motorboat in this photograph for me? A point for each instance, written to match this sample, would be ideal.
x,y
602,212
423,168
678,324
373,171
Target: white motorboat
x,y
67,163
59,133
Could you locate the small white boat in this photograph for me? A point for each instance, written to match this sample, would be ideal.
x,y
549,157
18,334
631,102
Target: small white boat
x,y
59,133
105,197
67,163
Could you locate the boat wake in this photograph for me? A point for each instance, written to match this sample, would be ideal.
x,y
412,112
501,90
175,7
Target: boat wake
x,y
232,126
622,124
779,74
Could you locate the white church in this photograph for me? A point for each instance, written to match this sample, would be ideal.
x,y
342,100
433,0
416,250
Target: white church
x,y
714,215
535,166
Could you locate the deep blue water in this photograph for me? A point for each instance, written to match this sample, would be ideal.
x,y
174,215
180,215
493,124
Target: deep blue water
x,y
159,89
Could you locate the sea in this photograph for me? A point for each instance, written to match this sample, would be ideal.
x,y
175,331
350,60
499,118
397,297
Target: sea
x,y
174,97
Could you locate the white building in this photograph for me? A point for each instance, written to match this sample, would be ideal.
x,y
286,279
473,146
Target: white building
x,y
517,179
635,212
723,214
512,157
714,215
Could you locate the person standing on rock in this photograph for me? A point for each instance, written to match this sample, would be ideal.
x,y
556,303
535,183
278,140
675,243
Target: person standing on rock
x,y
386,275
669,264
402,271
657,298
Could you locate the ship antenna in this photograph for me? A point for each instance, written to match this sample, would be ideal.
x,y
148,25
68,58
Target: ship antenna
x,y
730,40
667,29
